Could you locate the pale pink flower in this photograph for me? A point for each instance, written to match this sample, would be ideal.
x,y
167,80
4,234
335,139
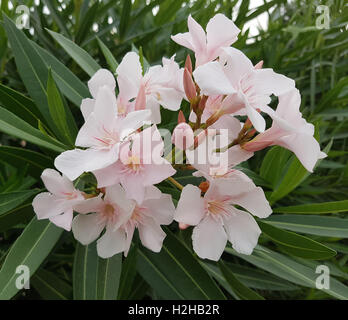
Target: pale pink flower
x,y
248,88
216,220
119,216
162,84
141,164
58,204
183,136
221,32
101,134
102,77
206,158
291,131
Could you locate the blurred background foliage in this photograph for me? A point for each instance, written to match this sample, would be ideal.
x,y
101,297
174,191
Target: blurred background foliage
x,y
313,205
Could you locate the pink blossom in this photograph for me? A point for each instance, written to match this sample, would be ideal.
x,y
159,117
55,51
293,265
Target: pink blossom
x,y
221,32
162,84
248,88
290,131
183,136
141,164
216,220
102,134
119,216
102,77
58,204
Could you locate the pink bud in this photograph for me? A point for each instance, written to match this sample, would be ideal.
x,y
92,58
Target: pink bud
x,y
181,117
189,85
188,64
140,102
259,65
183,136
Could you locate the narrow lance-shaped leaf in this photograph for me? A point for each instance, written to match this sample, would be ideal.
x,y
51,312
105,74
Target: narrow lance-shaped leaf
x,y
81,57
57,110
14,126
316,208
295,244
30,250
239,288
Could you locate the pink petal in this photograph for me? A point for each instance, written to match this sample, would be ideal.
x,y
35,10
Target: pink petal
x,y
305,147
129,75
184,39
212,80
238,65
87,107
75,162
108,176
46,205
255,202
243,231
156,173
190,209
162,210
111,243
151,235
221,32
63,220
266,81
89,205
56,183
209,239
102,77
87,228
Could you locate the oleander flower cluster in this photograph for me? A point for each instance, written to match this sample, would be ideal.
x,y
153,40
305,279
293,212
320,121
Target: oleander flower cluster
x,y
226,100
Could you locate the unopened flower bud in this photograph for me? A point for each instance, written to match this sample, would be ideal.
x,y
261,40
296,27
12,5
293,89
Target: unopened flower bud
x,y
140,102
183,136
259,65
189,86
188,64
181,117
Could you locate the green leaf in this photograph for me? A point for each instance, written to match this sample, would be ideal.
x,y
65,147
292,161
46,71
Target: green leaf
x,y
125,17
175,273
50,287
20,105
295,174
288,269
129,271
316,208
108,277
81,57
295,244
108,56
70,85
85,272
14,126
239,288
57,110
20,157
8,201
86,23
316,225
31,68
273,164
30,249
22,214
250,277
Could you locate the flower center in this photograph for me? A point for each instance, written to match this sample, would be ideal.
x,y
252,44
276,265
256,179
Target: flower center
x,y
133,163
